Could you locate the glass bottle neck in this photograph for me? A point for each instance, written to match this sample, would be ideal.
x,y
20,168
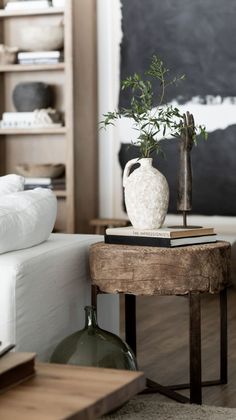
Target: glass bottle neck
x,y
90,317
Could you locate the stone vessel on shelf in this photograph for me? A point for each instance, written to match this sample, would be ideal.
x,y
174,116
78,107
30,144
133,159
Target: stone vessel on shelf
x,y
29,96
41,37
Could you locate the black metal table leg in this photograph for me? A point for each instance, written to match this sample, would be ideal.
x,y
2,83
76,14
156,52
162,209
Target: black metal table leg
x,y
130,322
94,293
196,383
223,337
195,348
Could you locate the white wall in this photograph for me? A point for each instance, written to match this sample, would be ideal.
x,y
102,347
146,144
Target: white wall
x,y
109,39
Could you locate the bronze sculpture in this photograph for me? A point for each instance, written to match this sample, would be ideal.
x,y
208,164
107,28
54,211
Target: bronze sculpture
x,y
184,200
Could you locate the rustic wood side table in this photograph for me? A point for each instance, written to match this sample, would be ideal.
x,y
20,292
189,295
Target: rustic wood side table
x,y
190,270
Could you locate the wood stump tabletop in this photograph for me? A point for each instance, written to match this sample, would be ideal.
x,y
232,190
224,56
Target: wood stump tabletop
x,y
142,270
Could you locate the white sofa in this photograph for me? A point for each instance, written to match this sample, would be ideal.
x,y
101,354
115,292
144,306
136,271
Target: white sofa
x,y
43,291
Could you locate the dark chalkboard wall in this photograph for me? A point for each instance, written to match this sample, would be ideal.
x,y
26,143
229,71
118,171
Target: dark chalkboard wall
x,y
193,37
197,38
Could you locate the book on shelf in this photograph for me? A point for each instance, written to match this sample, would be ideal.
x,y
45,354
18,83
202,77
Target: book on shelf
x,y
16,368
163,232
39,61
43,180
27,5
28,116
31,119
17,116
54,187
39,54
53,183
40,57
28,125
164,242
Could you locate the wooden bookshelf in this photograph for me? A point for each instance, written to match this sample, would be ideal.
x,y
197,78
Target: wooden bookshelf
x,y
30,131
49,144
60,193
31,67
37,12
75,84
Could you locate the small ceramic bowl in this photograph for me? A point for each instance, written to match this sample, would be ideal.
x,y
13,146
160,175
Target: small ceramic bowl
x,y
28,96
41,37
47,170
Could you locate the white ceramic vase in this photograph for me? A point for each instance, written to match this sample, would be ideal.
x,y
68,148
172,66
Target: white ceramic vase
x,y
146,194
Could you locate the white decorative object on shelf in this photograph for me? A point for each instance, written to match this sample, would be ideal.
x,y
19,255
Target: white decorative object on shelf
x,y
146,194
26,5
39,170
39,118
7,54
40,57
58,3
41,37
39,54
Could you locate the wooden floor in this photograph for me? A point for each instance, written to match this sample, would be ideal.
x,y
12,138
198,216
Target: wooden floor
x,y
162,326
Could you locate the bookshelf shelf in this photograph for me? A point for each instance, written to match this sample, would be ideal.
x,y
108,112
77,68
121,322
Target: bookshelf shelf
x,y
37,12
31,67
30,131
60,193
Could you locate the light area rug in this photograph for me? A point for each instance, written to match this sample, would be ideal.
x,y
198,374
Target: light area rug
x,y
149,408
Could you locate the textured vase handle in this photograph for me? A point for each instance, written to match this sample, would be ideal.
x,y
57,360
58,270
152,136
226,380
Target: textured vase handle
x,y
128,166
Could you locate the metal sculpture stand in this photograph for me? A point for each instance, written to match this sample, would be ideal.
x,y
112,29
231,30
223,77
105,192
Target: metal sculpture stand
x,y
184,200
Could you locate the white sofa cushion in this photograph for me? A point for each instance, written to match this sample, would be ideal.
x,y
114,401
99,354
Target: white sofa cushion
x,y
26,218
43,292
11,184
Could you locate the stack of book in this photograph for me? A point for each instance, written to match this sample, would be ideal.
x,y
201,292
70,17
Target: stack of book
x,y
163,237
26,5
40,57
52,183
30,119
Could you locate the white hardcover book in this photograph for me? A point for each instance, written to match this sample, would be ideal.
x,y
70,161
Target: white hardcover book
x,y
163,232
16,124
39,54
25,5
43,181
28,120
17,116
194,241
39,61
28,125
37,181
58,3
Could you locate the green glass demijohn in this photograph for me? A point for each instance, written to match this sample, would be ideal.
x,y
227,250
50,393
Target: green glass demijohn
x,y
93,346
